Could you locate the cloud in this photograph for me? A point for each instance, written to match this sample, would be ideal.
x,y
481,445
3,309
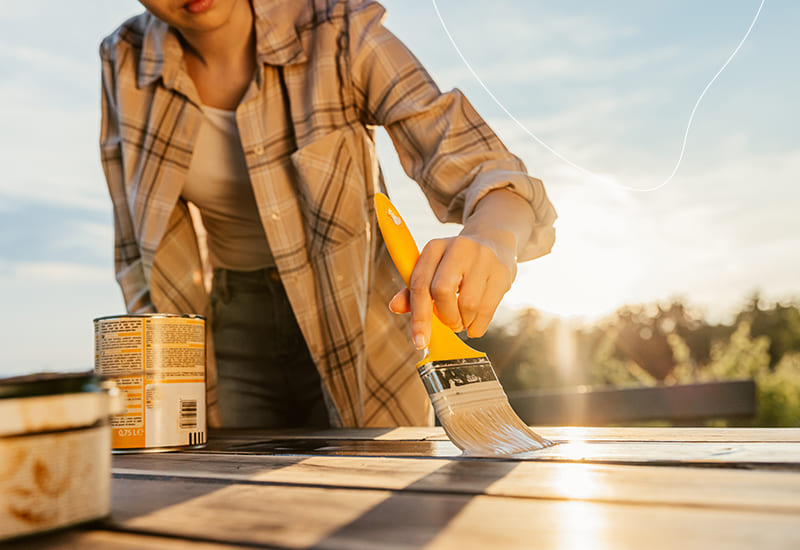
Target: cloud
x,y
23,58
536,25
62,273
48,311
48,231
559,66
49,152
14,12
713,236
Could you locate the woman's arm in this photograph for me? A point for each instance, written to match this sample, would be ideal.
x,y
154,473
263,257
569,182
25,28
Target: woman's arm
x,y
466,173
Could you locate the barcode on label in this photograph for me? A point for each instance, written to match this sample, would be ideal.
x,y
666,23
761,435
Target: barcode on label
x,y
188,418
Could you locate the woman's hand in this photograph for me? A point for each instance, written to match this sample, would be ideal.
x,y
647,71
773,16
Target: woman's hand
x,y
465,277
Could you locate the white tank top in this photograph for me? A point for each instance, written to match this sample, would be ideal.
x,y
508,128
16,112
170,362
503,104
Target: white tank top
x,y
218,184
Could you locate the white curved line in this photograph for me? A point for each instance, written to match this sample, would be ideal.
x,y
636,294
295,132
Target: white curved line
x,y
565,159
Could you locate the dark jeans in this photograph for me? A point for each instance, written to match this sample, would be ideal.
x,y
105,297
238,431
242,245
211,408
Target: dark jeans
x,y
267,378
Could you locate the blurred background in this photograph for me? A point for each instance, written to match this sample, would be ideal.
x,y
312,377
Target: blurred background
x,y
694,282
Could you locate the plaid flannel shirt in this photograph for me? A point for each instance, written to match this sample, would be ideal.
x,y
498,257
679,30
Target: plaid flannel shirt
x,y
328,72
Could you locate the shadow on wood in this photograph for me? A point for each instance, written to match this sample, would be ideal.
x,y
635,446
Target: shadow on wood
x,y
402,521
681,404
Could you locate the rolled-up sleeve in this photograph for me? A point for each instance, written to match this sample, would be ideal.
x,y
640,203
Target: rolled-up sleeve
x,y
442,142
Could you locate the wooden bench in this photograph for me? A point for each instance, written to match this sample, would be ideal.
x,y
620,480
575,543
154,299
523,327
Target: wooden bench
x,y
685,404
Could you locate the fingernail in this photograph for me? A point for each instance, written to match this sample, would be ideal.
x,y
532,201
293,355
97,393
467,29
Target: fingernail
x,y
458,328
419,341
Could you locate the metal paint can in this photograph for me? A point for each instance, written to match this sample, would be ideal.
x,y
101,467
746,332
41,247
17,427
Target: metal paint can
x,y
55,465
159,364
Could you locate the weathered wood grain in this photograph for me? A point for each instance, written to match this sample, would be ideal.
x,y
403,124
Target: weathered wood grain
x,y
98,539
601,488
559,433
722,488
707,435
774,454
729,454
303,517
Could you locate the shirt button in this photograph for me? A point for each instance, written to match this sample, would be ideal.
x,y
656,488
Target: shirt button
x,y
276,216
259,150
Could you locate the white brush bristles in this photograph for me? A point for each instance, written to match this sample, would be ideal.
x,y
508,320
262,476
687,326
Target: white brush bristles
x,y
479,420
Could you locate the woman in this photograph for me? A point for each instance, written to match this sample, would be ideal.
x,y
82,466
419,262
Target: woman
x,y
245,129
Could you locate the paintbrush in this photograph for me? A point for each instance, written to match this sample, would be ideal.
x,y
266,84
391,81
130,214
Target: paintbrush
x,y
466,395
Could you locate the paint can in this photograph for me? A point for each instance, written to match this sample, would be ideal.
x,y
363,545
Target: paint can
x,y
55,464
158,362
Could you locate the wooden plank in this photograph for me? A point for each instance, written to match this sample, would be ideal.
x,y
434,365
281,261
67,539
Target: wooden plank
x,y
89,539
722,488
403,433
776,455
740,435
300,517
730,454
584,433
219,439
598,407
330,446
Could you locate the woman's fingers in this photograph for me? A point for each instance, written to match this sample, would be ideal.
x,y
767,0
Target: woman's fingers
x,y
420,290
495,289
456,266
471,295
400,302
460,279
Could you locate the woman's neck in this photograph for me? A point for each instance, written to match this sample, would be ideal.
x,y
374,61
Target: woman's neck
x,y
221,61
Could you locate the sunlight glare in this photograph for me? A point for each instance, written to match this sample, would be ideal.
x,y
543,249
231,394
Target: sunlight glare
x,y
575,481
581,525
593,269
566,350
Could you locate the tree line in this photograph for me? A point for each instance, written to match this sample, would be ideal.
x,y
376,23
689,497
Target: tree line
x,y
651,344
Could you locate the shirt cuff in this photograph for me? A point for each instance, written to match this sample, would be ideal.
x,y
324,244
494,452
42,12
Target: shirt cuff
x,y
529,188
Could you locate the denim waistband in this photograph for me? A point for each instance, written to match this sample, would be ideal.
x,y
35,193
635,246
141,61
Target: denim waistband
x,y
270,273
266,278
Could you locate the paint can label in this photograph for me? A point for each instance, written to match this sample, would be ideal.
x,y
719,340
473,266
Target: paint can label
x,y
158,363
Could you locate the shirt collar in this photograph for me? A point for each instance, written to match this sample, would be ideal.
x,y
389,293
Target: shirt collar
x,y
277,41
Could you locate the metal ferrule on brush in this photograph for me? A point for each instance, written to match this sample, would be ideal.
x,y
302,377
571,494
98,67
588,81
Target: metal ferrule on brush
x,y
444,375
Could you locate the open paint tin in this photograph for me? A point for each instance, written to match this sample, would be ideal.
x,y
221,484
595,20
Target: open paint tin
x,y
55,459
159,364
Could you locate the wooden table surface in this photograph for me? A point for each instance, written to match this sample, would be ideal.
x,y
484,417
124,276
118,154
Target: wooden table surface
x,y
410,488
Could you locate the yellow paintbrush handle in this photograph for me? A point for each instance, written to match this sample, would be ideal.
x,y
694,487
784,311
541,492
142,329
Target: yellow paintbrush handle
x,y
398,239
445,344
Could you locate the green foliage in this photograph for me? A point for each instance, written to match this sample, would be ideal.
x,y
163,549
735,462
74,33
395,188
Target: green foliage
x,y
649,345
747,356
779,394
779,322
743,356
608,369
685,370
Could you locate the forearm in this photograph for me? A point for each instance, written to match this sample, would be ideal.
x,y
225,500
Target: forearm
x,y
502,220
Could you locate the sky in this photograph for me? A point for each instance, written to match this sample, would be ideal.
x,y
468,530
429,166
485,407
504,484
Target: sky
x,y
608,84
